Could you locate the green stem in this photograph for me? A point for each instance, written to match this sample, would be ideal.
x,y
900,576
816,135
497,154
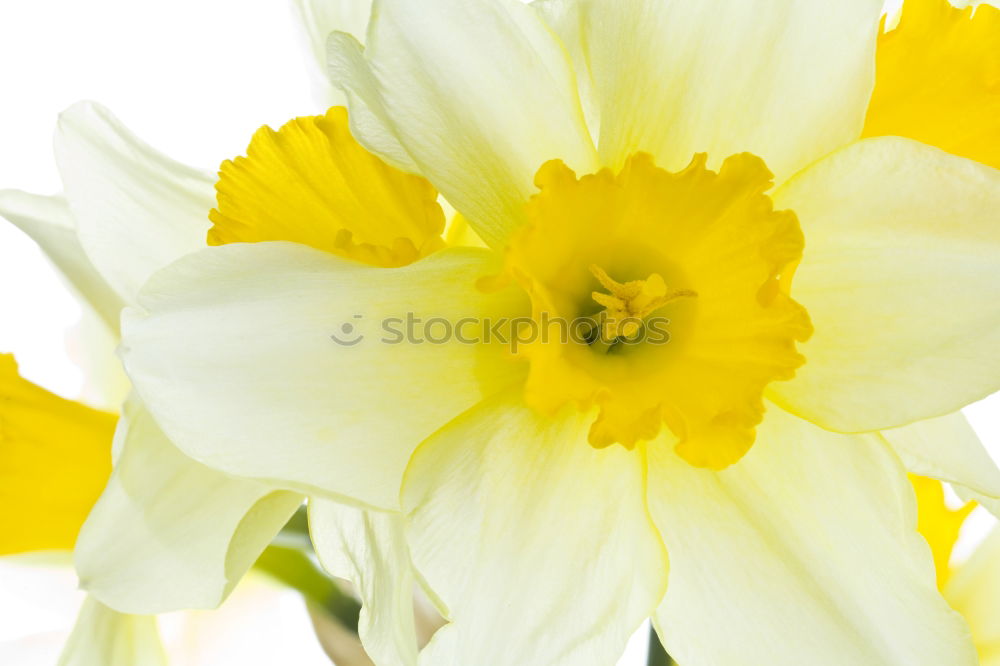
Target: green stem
x,y
657,655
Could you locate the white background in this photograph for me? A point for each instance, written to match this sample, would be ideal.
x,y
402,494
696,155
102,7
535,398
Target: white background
x,y
194,78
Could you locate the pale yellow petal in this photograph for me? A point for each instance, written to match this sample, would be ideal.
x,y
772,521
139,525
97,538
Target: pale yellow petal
x,y
569,20
104,637
169,533
899,276
539,545
370,122
948,449
136,210
804,552
369,549
786,80
283,363
318,19
974,590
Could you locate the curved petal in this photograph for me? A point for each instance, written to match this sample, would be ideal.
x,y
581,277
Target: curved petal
x,y
278,361
55,457
169,533
973,591
369,549
109,638
804,552
431,74
788,81
321,17
899,276
568,20
47,220
948,449
136,210
370,121
539,545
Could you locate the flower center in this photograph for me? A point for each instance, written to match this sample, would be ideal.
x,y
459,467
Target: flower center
x,y
627,305
701,251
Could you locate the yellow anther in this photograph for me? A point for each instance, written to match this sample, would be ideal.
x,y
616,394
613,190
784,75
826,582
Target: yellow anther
x,y
629,303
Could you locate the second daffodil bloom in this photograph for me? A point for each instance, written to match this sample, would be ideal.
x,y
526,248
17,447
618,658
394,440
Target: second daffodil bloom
x,y
758,293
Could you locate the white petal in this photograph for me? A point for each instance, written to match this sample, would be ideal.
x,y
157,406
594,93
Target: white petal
x,y
47,220
568,19
136,210
539,545
948,449
369,120
479,94
899,276
107,638
804,552
236,361
169,533
369,549
786,80
321,17
974,591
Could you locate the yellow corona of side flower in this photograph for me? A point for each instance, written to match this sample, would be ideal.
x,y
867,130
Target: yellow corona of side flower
x,y
972,587
733,276
55,458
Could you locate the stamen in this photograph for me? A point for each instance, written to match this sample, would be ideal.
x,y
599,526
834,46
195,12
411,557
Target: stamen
x,y
628,304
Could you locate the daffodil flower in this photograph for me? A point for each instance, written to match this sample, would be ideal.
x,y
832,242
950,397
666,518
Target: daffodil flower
x,y
613,157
